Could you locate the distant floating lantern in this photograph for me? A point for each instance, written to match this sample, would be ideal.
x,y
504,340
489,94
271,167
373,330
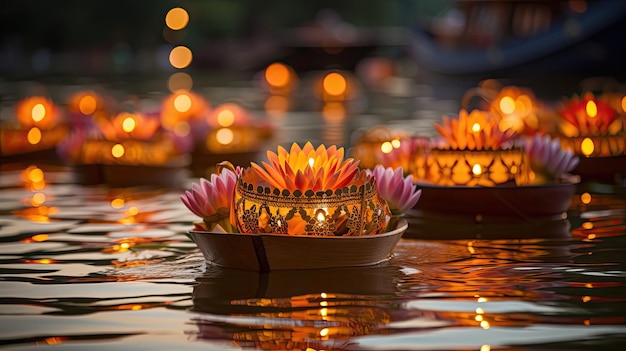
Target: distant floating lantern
x,y
279,78
38,127
184,110
517,109
477,154
594,124
336,86
376,142
84,106
482,174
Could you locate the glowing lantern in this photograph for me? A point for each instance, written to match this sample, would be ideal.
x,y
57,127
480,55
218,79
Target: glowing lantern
x,y
517,109
182,108
308,191
37,112
375,143
591,127
477,154
336,86
279,78
128,126
38,127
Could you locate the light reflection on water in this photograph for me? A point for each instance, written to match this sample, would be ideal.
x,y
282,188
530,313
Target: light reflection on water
x,y
91,271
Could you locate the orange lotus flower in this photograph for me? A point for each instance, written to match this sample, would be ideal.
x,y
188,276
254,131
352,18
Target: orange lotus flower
x,y
475,131
586,115
307,168
37,111
128,126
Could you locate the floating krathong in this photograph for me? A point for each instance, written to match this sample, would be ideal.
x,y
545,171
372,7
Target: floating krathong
x,y
479,173
232,133
38,127
303,208
127,149
595,131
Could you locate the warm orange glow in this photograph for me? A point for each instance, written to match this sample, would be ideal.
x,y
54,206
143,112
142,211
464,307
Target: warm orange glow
x,y
38,199
587,225
320,215
591,108
38,112
477,169
129,124
311,162
396,143
335,84
324,332
117,203
225,136
180,57
182,129
133,211
485,325
34,136
182,102
333,112
117,150
476,127
485,347
225,118
623,104
179,81
39,237
177,18
386,147
87,105
507,105
591,236
587,147
586,298
276,105
585,198
482,299
277,75
35,174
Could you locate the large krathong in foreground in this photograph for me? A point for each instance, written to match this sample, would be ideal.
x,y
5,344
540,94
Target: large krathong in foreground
x,y
299,203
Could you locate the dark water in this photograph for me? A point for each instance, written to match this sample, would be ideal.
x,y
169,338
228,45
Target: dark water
x,y
102,268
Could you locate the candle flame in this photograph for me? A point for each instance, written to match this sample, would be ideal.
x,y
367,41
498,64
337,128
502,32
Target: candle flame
x,y
34,136
129,124
226,118
38,112
591,108
476,127
386,147
225,136
311,162
182,103
117,150
320,215
587,146
477,170
507,105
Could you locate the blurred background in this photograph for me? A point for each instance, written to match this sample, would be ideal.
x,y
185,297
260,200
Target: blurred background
x,y
41,39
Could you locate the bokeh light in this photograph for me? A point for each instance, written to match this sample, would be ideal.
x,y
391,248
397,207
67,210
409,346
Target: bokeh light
x,y
180,57
33,136
334,84
179,81
177,18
